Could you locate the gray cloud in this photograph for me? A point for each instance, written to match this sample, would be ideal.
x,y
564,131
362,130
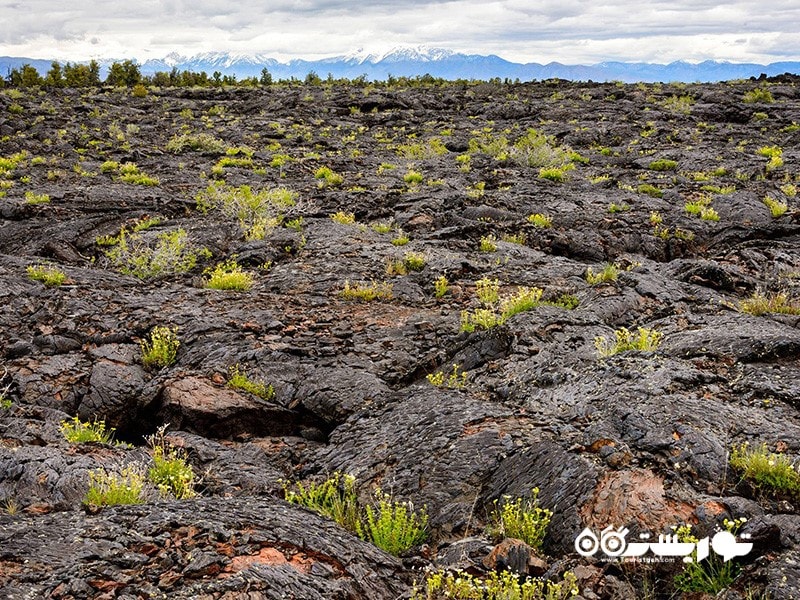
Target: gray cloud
x,y
560,30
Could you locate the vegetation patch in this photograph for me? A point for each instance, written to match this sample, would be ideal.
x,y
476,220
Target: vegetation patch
x,y
47,274
171,254
109,488
366,291
228,275
239,380
76,431
460,585
769,473
161,349
644,340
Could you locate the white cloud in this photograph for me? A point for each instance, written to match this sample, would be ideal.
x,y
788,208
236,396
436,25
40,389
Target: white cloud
x,y
570,31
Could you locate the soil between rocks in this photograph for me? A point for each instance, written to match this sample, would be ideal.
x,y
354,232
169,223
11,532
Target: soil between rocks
x,y
639,439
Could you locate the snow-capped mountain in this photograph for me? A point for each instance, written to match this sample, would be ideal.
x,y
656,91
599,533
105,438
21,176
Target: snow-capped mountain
x,y
419,60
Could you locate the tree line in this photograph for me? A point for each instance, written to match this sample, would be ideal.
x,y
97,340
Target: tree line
x,y
128,74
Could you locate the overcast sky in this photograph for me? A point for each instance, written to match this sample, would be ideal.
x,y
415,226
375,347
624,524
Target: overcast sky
x,y
569,31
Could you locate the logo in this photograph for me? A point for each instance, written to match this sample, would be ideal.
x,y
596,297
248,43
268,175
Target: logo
x,y
613,543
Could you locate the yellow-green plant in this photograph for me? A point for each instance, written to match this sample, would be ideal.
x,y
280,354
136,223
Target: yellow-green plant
x,y
239,380
382,227
488,243
228,275
760,304
414,261
608,273
78,432
644,340
505,585
393,526
540,220
413,177
335,498
710,575
343,218
110,488
663,164
520,518
480,318
129,173
172,253
366,292
776,207
456,380
47,274
170,472
161,349
524,299
401,239
766,471
196,142
327,177
758,94
257,211
34,198
487,290
441,286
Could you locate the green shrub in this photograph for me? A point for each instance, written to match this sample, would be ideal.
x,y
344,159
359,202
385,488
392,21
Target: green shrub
x,y
480,318
521,518
129,173
335,498
393,526
524,299
196,142
758,94
446,585
456,380
170,472
414,261
608,273
161,349
172,254
401,239
441,285
710,575
343,218
776,207
77,432
366,292
258,212
540,220
759,304
557,174
488,243
537,150
709,214
663,164
228,275
239,380
34,198
383,227
487,290
47,274
110,489
650,190
328,177
679,104
645,340
766,471
413,177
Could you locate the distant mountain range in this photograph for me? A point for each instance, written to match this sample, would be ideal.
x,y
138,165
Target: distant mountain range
x,y
438,62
